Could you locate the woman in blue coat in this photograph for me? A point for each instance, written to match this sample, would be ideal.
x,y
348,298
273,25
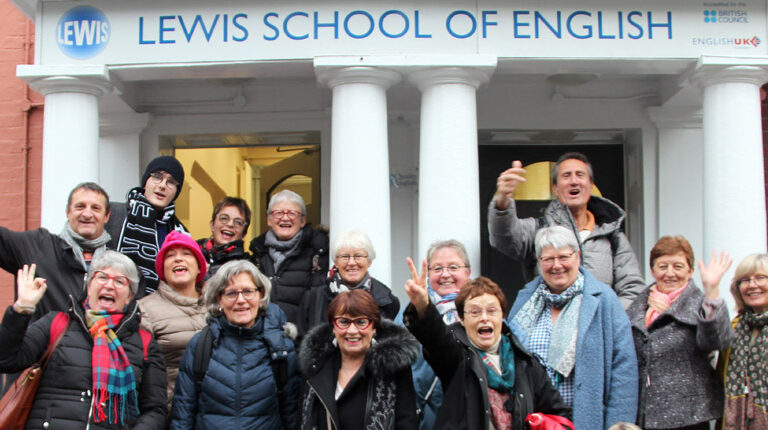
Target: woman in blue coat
x,y
252,379
576,327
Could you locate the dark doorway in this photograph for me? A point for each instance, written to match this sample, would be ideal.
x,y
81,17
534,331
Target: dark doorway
x,y
608,166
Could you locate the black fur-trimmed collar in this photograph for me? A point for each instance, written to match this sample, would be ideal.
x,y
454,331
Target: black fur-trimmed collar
x,y
395,349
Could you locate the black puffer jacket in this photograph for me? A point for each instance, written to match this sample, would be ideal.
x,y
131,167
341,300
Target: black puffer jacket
x,y
298,272
463,375
63,398
55,262
381,392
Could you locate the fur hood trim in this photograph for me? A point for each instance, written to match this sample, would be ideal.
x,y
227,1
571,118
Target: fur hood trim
x,y
394,349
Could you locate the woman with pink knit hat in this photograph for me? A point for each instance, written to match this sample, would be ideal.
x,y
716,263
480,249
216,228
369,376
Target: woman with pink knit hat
x,y
175,312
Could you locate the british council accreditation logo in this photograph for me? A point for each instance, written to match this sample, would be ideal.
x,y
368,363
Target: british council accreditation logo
x,y
82,32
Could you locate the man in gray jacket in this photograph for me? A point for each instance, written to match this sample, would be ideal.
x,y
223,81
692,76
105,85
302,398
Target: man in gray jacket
x,y
605,250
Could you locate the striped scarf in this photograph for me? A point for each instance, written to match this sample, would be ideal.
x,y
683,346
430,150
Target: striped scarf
x,y
114,384
445,305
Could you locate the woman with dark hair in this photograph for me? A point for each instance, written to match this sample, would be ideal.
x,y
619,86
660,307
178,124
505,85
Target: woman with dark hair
x,y
676,326
175,312
744,364
104,373
229,225
357,369
251,379
489,380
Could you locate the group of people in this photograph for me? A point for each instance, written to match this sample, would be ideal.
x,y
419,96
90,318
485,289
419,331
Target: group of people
x,y
167,332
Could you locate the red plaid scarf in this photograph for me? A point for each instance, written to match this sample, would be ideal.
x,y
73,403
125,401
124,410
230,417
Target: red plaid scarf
x,y
114,384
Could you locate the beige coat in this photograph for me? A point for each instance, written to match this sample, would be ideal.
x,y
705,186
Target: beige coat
x,y
172,319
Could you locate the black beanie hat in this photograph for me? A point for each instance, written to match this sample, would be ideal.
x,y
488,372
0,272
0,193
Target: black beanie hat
x,y
168,164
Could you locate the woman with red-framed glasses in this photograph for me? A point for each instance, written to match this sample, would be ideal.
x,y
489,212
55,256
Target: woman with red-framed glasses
x,y
357,369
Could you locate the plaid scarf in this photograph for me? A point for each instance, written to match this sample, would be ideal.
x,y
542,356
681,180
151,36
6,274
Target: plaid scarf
x,y
114,384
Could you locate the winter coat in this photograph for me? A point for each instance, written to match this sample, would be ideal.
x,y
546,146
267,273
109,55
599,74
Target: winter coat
x,y
606,252
55,262
606,364
315,304
239,390
673,360
216,258
297,273
464,376
381,392
172,319
63,399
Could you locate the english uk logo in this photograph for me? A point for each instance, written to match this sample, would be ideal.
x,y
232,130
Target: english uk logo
x,y
82,32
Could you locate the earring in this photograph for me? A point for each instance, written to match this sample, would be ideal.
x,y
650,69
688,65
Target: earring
x,y
219,308
373,341
335,343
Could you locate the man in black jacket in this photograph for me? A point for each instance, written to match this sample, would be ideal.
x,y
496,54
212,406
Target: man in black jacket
x,y
63,258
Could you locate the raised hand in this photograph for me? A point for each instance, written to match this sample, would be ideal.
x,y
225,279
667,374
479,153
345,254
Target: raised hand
x,y
416,287
507,182
30,289
713,272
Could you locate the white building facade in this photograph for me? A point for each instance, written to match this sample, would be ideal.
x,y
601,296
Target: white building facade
x,y
405,97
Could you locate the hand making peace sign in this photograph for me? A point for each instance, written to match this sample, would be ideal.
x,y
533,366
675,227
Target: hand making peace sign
x,y
416,287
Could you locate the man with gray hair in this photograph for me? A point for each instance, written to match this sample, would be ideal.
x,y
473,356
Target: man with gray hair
x,y
292,254
596,222
63,259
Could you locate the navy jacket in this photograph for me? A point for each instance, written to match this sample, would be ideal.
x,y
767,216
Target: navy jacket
x,y
239,390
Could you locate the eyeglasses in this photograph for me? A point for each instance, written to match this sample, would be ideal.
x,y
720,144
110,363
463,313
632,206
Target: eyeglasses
x,y
119,281
357,257
760,281
285,213
224,219
343,323
548,261
435,270
158,177
478,312
248,294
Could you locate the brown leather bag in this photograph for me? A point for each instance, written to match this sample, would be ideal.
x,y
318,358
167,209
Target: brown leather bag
x,y
17,401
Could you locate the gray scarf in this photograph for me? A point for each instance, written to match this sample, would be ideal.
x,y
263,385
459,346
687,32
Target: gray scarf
x,y
562,344
279,250
78,243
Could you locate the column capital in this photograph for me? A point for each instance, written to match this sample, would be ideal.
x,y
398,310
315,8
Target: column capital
x,y
467,75
88,79
689,117
112,124
333,77
707,75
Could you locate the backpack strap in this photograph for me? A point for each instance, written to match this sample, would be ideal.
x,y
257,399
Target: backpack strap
x,y
202,357
58,327
279,362
146,338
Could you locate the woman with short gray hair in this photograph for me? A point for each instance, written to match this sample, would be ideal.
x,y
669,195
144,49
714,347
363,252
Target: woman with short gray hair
x,y
352,253
577,329
251,359
291,253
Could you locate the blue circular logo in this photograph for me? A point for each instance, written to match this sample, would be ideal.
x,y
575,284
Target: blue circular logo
x,y
82,32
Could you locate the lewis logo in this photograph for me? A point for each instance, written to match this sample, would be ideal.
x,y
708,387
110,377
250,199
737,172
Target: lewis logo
x,y
82,32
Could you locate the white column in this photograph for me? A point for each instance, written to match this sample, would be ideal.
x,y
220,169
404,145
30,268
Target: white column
x,y
70,132
448,165
734,190
360,158
119,141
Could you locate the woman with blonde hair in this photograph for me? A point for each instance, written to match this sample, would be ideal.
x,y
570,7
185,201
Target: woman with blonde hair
x,y
744,365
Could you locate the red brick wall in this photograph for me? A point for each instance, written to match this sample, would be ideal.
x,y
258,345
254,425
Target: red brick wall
x,y
21,134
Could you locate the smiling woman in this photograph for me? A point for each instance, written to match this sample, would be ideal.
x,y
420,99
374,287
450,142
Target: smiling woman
x,y
175,312
229,224
251,359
